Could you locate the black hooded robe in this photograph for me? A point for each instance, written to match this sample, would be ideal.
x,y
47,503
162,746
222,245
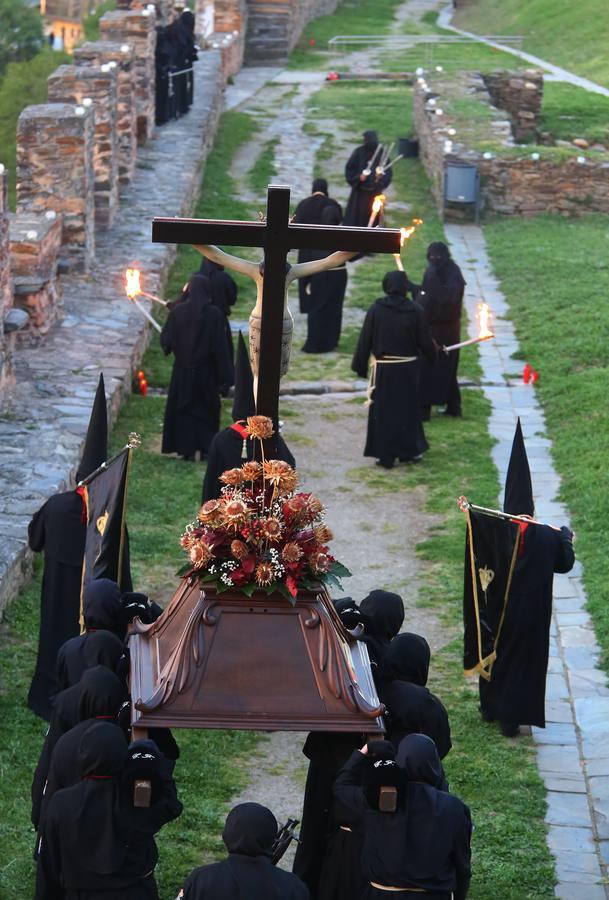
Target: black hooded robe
x,y
59,530
202,370
515,695
424,845
394,327
359,206
382,614
441,299
223,295
309,212
247,873
226,452
95,843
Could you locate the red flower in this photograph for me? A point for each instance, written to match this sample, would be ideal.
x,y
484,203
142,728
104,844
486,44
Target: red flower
x,y
291,585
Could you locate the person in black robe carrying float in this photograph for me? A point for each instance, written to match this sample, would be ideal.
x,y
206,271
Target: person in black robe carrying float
x,y
382,614
59,529
367,178
441,299
324,303
416,838
309,212
396,335
95,842
194,333
230,448
514,694
248,872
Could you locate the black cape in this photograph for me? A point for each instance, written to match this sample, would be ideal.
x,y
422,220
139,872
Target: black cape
x,y
441,299
308,212
425,844
57,529
223,295
515,694
225,453
359,206
95,842
202,370
394,326
324,307
247,873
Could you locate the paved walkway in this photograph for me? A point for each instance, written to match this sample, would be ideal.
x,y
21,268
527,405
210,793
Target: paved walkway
x,y
557,72
573,750
42,433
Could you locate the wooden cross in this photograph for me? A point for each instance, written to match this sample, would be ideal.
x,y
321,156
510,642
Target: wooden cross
x,y
276,236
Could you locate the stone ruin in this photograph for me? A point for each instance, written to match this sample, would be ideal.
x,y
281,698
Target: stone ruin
x,y
516,178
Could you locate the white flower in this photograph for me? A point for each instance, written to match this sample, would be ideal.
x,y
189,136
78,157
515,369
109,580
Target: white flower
x,y
535,156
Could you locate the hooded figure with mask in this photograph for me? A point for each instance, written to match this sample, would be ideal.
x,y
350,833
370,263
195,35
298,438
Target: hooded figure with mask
x,y
441,299
95,842
415,838
365,182
396,335
247,873
202,370
411,707
324,305
230,448
382,615
59,529
309,212
515,694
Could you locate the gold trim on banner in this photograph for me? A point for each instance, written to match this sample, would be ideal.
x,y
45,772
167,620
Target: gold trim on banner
x,y
81,619
121,549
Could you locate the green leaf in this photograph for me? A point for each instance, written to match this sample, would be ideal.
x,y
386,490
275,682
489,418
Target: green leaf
x,y
184,570
248,589
340,570
282,589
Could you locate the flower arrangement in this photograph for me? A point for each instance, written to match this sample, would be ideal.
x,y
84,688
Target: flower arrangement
x,y
260,534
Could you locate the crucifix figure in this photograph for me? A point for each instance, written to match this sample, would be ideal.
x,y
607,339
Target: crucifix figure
x,y
276,236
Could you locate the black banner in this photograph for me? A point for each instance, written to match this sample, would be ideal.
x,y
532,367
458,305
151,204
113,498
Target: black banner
x,y
491,550
105,497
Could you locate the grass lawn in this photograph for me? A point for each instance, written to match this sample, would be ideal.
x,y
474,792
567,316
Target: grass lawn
x,y
570,112
557,295
572,35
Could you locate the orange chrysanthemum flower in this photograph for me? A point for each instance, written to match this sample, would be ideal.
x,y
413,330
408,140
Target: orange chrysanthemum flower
x,y
239,550
232,477
211,512
270,528
252,471
236,513
264,574
319,562
187,540
322,534
259,427
294,506
314,505
291,553
200,554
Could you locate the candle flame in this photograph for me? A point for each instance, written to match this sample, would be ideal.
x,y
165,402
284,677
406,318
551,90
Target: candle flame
x,y
132,283
378,203
484,318
406,233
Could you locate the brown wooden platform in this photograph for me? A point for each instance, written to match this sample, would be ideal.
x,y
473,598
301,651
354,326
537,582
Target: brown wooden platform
x,y
229,661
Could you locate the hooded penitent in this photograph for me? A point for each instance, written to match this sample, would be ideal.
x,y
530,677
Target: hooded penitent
x,y
418,756
518,498
243,402
95,451
103,607
407,659
101,694
383,613
249,833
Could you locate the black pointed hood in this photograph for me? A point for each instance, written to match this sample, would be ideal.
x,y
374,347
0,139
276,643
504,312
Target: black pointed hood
x,y
243,403
96,443
518,499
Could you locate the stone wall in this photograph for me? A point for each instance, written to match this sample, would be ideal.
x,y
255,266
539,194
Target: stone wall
x,y
95,86
517,180
99,53
137,28
6,293
520,94
35,243
274,27
55,172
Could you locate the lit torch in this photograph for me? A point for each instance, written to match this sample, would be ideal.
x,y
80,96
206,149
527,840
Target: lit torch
x,y
132,289
405,234
484,316
377,207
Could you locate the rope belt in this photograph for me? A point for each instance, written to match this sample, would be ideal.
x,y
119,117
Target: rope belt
x,y
386,360
401,890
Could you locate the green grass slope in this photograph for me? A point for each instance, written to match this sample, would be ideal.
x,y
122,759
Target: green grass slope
x,y
572,35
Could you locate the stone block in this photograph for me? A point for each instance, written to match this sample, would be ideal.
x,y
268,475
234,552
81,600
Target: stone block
x,y
55,148
98,53
35,243
6,292
137,28
231,50
95,86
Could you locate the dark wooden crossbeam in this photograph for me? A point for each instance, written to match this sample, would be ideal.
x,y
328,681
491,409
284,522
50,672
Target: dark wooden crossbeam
x,y
276,237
